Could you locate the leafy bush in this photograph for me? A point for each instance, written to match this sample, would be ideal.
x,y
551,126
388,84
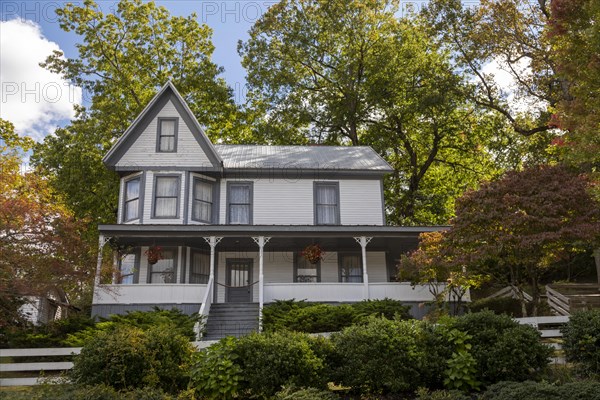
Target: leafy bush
x,y
175,320
77,392
214,373
542,391
461,371
425,394
270,361
53,334
293,393
128,357
306,317
384,356
504,349
581,340
499,305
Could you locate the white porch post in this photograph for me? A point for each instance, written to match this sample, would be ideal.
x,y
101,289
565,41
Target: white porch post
x,y
212,241
364,241
261,241
102,240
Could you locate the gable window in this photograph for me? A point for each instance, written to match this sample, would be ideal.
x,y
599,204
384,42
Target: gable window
x,y
166,197
131,206
239,203
327,206
304,271
350,268
202,208
128,269
164,270
200,268
167,135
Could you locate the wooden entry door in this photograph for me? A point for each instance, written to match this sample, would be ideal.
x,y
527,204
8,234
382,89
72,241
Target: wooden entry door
x,y
239,280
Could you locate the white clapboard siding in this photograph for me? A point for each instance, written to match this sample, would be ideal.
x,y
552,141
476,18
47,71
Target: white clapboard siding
x,y
360,202
291,202
143,151
376,266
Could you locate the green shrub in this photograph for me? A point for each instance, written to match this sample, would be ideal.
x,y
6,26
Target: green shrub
x,y
77,392
306,317
504,349
128,357
270,361
499,305
543,391
387,308
384,356
581,340
214,373
52,334
174,319
425,394
293,393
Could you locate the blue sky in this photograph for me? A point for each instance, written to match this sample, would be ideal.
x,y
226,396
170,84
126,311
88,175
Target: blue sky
x,y
30,31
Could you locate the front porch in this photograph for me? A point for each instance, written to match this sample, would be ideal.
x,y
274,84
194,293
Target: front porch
x,y
254,265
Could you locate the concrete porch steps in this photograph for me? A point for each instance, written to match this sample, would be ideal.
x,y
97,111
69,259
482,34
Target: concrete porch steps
x,y
231,319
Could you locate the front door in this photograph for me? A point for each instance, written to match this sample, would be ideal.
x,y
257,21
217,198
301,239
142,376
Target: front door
x,y
239,280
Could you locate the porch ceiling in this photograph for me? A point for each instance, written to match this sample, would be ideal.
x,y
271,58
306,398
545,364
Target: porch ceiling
x,y
283,238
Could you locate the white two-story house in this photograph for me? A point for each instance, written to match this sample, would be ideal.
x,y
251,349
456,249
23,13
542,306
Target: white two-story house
x,y
232,222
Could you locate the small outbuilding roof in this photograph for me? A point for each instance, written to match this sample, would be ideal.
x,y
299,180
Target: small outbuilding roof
x,y
346,158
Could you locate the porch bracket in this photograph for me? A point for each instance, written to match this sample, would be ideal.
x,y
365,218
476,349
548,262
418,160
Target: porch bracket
x,y
364,241
261,241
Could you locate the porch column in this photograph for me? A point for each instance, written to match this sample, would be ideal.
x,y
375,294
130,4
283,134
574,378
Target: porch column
x,y
102,240
212,241
364,241
261,241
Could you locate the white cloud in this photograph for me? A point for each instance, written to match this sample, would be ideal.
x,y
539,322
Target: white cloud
x,y
35,100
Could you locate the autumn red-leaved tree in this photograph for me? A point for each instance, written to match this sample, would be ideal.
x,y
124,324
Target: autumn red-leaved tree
x,y
42,245
518,226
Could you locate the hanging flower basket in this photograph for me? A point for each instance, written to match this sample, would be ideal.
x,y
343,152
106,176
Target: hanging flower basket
x,y
313,253
154,254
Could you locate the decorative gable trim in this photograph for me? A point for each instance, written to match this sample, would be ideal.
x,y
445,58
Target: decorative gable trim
x,y
167,93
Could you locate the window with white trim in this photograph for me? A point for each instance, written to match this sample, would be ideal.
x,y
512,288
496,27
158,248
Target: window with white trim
x,y
350,268
239,203
127,269
200,268
305,271
164,270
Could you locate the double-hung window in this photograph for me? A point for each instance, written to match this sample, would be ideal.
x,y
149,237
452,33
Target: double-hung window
x,y
128,268
167,135
202,208
350,268
131,204
306,271
327,203
164,270
200,268
239,203
166,197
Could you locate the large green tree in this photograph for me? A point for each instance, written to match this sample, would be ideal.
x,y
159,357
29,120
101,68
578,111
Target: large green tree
x,y
351,72
123,58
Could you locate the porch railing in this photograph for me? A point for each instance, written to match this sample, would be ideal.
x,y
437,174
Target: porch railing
x,y
205,307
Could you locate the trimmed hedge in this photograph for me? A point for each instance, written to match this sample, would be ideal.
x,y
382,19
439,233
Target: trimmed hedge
x,y
128,357
306,317
504,349
385,356
543,391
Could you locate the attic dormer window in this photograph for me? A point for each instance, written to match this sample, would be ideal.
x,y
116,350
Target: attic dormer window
x,y
167,135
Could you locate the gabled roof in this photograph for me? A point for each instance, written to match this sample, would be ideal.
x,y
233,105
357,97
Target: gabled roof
x,y
166,93
342,158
